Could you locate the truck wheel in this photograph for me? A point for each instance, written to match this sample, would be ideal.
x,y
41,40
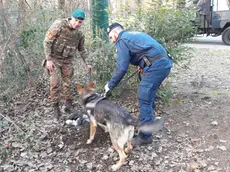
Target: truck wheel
x,y
226,36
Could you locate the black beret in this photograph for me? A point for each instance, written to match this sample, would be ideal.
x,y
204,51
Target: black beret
x,y
112,26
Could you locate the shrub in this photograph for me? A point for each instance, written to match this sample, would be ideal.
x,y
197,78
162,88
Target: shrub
x,y
170,26
24,59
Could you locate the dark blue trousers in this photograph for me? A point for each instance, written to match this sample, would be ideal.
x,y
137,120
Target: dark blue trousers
x,y
151,80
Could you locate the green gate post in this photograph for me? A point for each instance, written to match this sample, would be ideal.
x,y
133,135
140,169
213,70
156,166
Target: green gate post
x,y
100,18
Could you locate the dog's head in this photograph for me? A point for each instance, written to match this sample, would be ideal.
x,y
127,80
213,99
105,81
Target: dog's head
x,y
83,91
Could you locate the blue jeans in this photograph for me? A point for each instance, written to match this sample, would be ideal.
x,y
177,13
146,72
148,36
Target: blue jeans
x,y
151,80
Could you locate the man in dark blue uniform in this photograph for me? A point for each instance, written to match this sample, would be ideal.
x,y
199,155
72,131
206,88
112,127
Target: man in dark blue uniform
x,y
140,49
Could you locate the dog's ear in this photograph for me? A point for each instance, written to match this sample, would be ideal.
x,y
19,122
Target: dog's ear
x,y
79,87
91,85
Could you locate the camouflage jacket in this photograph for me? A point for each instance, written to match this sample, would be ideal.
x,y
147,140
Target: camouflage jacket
x,y
62,41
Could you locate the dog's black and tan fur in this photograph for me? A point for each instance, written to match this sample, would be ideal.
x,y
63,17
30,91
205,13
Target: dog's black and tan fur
x,y
115,120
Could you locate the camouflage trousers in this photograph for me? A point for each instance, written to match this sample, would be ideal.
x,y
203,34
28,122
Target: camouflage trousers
x,y
60,81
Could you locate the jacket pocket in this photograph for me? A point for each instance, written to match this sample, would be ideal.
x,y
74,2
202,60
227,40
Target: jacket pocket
x,y
69,51
58,47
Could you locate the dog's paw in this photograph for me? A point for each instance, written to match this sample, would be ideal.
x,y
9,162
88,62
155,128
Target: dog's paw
x,y
128,150
106,130
89,141
115,167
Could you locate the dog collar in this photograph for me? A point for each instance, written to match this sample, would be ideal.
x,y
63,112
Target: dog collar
x,y
92,100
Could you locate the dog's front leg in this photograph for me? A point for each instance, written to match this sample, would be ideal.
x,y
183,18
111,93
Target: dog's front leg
x,y
93,126
104,127
129,147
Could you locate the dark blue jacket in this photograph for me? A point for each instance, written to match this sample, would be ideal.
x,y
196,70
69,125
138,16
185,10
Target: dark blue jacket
x,y
131,47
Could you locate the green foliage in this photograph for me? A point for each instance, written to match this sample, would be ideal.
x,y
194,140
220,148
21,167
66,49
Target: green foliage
x,y
102,56
13,79
27,36
165,93
4,150
4,153
3,124
170,26
30,45
33,33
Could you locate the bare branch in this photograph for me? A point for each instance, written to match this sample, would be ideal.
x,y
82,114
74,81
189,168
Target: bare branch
x,y
28,5
3,50
19,54
8,119
1,56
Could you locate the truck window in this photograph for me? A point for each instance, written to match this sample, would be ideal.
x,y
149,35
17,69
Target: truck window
x,y
220,5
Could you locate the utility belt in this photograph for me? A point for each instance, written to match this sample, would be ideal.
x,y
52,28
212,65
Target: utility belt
x,y
59,58
147,62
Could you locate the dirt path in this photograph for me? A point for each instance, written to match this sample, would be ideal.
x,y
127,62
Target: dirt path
x,y
200,112
196,136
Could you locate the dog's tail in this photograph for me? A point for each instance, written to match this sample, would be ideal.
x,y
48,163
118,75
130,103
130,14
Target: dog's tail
x,y
152,126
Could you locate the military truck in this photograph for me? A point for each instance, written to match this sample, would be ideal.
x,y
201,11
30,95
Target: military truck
x,y
213,22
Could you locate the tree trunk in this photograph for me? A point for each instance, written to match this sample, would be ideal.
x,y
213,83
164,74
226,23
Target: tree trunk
x,y
12,39
61,5
3,35
2,27
21,14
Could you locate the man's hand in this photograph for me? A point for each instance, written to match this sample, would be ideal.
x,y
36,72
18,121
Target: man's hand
x,y
107,88
50,65
88,68
140,70
107,92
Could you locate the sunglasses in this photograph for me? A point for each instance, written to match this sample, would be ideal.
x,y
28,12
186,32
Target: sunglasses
x,y
79,20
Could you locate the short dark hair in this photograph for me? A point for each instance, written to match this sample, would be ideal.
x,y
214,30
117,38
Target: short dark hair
x,y
112,26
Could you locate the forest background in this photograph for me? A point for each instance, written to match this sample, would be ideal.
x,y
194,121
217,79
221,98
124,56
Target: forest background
x,y
25,22
22,30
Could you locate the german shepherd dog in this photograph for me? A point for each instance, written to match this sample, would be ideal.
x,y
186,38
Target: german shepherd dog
x,y
113,119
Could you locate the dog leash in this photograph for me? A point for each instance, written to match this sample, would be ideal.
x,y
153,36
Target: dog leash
x,y
89,76
132,75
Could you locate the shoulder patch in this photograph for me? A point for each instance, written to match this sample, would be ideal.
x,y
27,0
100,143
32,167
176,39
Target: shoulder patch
x,y
53,32
50,35
55,28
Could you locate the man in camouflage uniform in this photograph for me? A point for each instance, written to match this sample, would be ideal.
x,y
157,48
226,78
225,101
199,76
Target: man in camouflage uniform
x,y
61,42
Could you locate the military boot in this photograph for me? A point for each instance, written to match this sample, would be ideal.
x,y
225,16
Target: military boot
x,y
56,111
69,106
138,140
